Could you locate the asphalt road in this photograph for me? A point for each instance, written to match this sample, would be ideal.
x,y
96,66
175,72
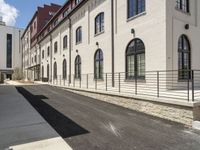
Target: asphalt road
x,y
89,124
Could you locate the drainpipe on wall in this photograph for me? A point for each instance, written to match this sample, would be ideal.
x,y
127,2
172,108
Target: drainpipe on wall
x,y
70,49
40,62
20,49
112,43
51,57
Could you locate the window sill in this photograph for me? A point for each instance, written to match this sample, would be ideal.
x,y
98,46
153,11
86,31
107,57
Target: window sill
x,y
182,11
97,34
77,43
138,80
99,80
136,16
184,80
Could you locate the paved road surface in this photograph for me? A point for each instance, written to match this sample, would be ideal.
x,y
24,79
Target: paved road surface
x,y
22,127
88,124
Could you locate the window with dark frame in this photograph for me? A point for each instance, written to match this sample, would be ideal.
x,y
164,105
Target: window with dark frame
x,y
78,67
65,42
55,47
135,60
43,54
55,70
48,51
78,35
135,7
64,69
184,58
99,23
183,5
9,51
98,64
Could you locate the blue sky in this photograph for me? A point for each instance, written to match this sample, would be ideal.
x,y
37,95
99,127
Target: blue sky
x,y
26,9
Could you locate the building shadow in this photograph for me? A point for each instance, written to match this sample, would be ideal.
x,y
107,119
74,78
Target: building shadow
x,y
64,126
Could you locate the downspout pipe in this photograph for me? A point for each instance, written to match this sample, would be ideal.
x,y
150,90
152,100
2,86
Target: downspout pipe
x,y
70,50
51,59
112,43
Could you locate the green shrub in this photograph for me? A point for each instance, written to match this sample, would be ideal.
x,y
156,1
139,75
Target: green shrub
x,y
18,74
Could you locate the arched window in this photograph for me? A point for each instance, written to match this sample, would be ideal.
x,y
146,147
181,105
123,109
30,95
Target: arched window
x,y
78,67
78,35
48,71
55,70
98,64
65,42
135,59
55,47
184,57
99,23
64,69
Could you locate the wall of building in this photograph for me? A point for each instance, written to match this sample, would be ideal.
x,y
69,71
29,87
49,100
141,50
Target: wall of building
x,y
16,47
159,27
175,27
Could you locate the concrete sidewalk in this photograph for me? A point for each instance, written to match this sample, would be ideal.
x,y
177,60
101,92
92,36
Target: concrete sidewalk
x,y
21,126
11,82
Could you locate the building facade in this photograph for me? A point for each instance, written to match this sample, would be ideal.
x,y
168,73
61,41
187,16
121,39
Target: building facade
x,y
10,50
31,57
132,37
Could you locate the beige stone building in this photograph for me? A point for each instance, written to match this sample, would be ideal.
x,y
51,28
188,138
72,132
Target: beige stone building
x,y
10,50
119,45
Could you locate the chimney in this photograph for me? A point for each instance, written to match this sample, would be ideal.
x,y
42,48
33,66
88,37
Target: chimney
x,y
1,21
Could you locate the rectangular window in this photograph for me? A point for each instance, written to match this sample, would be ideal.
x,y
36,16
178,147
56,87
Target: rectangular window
x,y
9,51
135,7
183,5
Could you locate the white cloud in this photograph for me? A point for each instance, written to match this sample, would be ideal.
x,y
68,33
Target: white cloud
x,y
8,12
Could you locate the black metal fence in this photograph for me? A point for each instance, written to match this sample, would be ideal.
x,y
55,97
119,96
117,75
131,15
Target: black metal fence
x,y
167,85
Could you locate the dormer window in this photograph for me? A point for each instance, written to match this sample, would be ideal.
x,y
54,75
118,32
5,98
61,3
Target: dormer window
x,y
51,13
78,1
66,12
55,22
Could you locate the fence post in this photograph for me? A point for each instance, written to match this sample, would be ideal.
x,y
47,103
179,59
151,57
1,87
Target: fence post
x,y
136,83
106,82
74,80
95,79
68,81
87,81
60,80
119,82
188,86
80,82
193,85
158,84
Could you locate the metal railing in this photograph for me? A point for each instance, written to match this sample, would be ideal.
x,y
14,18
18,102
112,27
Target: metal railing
x,y
169,85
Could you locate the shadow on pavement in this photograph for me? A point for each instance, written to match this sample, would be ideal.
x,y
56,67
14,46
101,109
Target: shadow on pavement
x,y
62,124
